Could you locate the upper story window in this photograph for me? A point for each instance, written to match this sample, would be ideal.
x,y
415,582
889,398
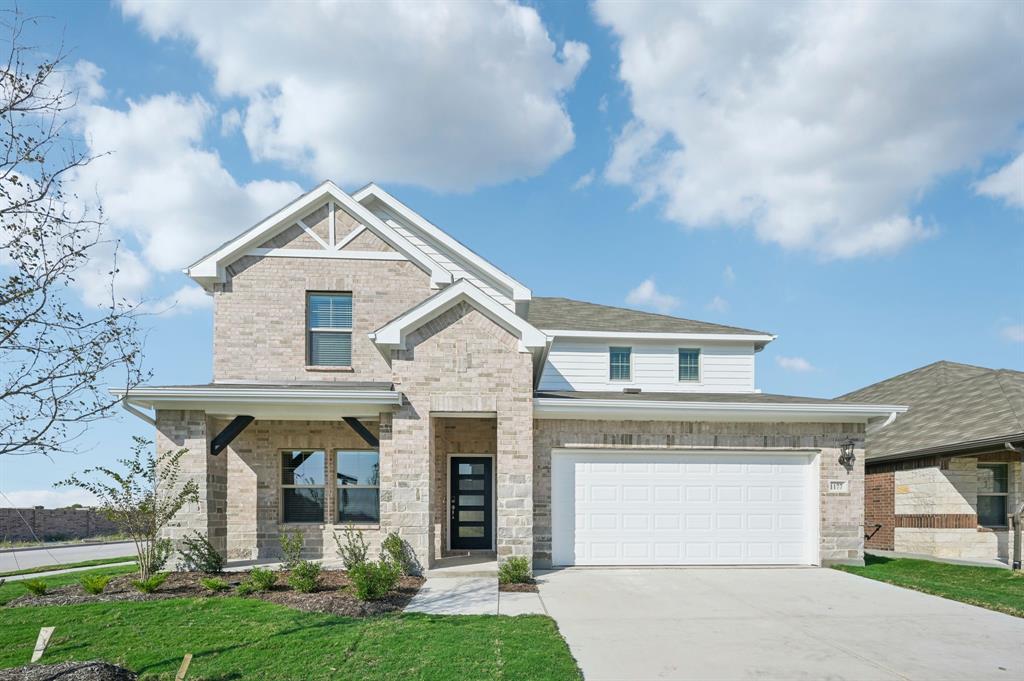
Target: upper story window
x,y
689,364
329,324
620,364
992,487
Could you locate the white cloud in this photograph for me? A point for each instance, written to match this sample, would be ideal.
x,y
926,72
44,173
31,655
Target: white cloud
x,y
1007,183
718,304
585,181
449,96
817,124
230,121
729,274
602,104
50,498
797,364
1013,333
648,295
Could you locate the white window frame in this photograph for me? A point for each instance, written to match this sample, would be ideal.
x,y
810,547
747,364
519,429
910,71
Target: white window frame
x,y
629,379
310,330
1005,495
283,486
700,365
338,487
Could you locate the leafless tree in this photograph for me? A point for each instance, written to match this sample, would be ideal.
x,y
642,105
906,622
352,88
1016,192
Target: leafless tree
x,y
56,355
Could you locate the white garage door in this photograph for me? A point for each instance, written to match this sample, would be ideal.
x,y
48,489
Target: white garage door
x,y
638,508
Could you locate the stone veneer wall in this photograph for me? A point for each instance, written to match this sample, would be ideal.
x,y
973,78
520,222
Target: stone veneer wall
x,y
842,516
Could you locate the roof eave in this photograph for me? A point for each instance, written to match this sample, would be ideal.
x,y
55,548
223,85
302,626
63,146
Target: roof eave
x,y
960,448
757,338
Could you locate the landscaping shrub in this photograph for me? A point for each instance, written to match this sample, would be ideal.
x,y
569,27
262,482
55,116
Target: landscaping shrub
x,y
262,579
245,589
94,584
199,555
151,583
291,549
398,551
374,580
305,576
36,586
515,570
353,549
214,584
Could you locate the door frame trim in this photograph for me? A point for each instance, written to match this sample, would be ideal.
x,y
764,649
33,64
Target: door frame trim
x,y
448,499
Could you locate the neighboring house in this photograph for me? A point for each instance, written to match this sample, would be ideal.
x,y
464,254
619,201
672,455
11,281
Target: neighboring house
x,y
943,479
370,369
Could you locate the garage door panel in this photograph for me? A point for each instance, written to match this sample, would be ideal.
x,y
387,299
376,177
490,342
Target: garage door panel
x,y
672,508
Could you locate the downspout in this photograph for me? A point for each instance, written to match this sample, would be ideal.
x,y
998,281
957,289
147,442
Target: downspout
x,y
875,427
1016,518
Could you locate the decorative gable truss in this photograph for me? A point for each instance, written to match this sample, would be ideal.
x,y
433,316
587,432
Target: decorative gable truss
x,y
324,223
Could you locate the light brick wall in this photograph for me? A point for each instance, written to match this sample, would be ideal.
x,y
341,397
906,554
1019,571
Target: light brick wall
x,y
842,516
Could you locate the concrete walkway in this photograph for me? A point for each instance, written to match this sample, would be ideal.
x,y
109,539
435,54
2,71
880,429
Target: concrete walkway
x,y
472,596
51,573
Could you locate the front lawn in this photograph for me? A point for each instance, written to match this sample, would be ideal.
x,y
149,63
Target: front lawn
x,y
245,638
992,588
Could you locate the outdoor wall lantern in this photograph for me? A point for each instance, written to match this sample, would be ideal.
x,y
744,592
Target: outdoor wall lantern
x,y
846,456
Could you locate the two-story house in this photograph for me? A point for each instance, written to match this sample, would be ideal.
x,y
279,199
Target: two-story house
x,y
369,369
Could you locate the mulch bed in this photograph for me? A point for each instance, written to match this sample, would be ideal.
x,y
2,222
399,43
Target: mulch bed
x,y
69,671
527,587
333,596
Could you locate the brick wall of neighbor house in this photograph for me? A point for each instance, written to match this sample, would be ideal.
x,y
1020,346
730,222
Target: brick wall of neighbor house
x,y
879,510
52,524
461,361
842,516
259,320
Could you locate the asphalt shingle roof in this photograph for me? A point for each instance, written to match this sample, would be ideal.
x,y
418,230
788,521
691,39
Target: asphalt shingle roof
x,y
950,404
575,315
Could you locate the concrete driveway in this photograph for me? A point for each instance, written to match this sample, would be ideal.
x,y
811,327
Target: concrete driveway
x,y
800,623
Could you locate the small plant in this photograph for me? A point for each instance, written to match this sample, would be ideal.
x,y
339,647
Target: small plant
x,y
515,570
94,584
151,583
245,589
262,579
397,550
199,555
36,586
374,580
353,549
214,584
291,549
305,576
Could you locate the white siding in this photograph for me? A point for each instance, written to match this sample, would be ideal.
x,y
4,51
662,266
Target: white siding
x,y
577,364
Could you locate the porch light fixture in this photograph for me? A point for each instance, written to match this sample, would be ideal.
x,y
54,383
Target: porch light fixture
x,y
846,456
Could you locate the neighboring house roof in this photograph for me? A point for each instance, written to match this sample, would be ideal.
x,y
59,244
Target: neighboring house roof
x,y
952,406
563,314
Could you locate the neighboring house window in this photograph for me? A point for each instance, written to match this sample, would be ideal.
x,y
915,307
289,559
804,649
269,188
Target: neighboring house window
x,y
992,479
329,316
689,365
619,363
358,486
302,486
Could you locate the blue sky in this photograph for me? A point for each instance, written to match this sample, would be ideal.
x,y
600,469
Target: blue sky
x,y
860,198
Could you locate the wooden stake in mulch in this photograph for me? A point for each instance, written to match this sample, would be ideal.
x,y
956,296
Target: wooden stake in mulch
x,y
41,642
183,669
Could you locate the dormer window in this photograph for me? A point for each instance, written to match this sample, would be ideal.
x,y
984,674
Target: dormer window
x,y
329,328
620,364
689,365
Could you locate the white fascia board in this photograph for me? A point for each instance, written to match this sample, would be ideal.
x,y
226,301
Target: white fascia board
x,y
651,410
210,268
659,335
393,333
519,291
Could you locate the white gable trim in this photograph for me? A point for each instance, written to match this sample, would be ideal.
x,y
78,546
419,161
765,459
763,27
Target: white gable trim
x,y
211,268
519,291
393,334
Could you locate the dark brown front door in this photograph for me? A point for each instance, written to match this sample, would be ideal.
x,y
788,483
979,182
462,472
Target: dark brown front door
x,y
472,499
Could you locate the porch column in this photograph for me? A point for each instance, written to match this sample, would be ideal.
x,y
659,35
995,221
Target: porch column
x,y
514,479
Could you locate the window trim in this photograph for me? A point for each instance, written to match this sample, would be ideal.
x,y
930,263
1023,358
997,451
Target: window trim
x,y
1005,495
310,330
628,379
336,519
282,486
700,365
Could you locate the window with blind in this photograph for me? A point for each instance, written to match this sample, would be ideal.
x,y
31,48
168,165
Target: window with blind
x,y
302,486
619,364
689,365
329,321
358,486
992,493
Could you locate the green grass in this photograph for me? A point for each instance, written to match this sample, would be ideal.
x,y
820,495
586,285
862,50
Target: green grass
x,y
12,590
81,563
992,588
238,638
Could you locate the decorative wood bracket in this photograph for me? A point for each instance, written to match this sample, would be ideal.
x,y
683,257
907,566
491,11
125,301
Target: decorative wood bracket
x,y
361,431
230,432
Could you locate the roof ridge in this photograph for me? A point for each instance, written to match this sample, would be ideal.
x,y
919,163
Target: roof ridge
x,y
927,369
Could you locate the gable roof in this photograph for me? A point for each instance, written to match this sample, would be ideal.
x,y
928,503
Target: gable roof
x,y
211,268
564,314
951,405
